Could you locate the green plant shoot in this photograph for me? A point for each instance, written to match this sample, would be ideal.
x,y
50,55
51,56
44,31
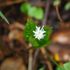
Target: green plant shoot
x,y
37,39
3,17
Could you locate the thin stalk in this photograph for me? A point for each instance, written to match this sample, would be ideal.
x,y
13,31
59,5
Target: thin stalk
x,y
46,56
35,57
43,51
30,60
58,14
3,17
47,8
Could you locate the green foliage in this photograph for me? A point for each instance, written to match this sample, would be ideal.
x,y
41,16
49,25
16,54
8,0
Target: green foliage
x,y
60,68
25,7
36,12
66,66
29,35
42,68
32,11
29,27
67,6
56,2
3,17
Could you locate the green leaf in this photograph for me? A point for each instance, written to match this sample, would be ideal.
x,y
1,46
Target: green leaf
x,y
25,7
3,17
66,66
32,11
67,6
60,68
36,13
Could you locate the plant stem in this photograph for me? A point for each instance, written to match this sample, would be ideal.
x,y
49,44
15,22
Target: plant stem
x,y
3,17
46,56
30,59
35,57
43,51
47,8
58,14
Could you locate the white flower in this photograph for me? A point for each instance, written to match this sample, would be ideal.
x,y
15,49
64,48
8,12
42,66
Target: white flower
x,y
39,33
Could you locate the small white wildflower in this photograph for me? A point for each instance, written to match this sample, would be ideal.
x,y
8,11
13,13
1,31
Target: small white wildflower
x,y
39,33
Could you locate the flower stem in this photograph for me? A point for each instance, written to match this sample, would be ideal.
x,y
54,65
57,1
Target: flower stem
x,y
47,8
35,57
30,59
